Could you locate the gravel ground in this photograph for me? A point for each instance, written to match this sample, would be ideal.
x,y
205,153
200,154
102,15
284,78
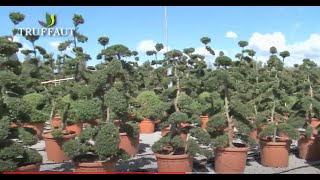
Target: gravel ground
x,y
145,161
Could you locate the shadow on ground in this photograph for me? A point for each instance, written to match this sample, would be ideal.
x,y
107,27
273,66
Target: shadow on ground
x,y
136,165
143,147
63,167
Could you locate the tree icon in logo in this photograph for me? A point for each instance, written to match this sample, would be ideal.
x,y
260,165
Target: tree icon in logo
x,y
51,21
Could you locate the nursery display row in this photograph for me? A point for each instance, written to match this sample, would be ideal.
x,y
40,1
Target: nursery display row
x,y
217,109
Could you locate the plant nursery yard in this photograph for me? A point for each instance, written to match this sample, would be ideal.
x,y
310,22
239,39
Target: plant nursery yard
x,y
145,161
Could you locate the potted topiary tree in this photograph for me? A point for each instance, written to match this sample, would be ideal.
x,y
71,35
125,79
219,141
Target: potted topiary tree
x,y
15,155
148,108
173,155
129,130
39,114
274,150
307,109
81,111
55,138
229,155
210,104
96,149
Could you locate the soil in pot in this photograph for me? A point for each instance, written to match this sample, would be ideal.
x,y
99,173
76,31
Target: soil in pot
x,y
274,154
309,148
129,144
28,168
147,126
54,147
165,131
230,160
76,128
204,120
174,163
38,127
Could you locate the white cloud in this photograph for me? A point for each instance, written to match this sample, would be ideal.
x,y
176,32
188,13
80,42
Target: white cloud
x,y
203,51
309,48
231,34
149,45
54,44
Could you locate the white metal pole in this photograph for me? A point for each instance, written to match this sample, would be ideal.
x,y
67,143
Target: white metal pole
x,y
166,26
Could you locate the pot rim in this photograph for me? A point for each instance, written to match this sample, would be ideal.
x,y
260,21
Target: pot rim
x,y
167,156
277,143
48,135
234,149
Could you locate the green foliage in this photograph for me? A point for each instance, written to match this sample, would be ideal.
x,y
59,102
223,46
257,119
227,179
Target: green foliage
x,y
149,105
83,110
131,128
217,122
221,141
205,40
16,17
27,135
31,156
107,141
57,133
178,117
36,100
74,148
201,135
7,165
193,147
288,130
4,127
117,102
187,105
101,142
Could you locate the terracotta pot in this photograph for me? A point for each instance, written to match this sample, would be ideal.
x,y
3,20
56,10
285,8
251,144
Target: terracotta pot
x,y
230,160
165,131
274,154
309,148
56,122
77,128
54,147
38,127
29,168
97,166
254,134
147,126
315,123
174,163
204,120
129,144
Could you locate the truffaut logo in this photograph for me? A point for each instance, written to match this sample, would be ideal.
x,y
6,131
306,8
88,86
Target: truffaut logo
x,y
50,19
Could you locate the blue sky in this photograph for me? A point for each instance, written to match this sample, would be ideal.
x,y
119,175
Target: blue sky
x,y
288,28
